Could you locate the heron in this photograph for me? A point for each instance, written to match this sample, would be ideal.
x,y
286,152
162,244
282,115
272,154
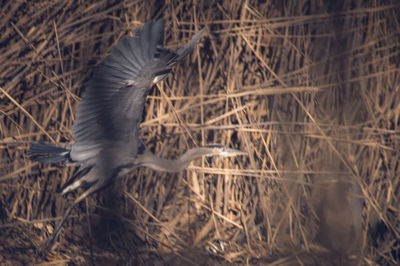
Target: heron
x,y
106,143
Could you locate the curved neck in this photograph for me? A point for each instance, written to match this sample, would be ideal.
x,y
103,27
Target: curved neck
x,y
148,159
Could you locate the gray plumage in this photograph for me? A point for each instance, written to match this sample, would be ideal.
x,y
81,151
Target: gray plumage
x,y
107,120
48,154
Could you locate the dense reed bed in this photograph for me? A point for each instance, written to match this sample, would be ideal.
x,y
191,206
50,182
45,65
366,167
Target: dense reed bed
x,y
309,89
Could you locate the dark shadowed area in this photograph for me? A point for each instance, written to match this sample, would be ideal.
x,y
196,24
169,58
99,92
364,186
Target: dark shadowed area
x,y
310,89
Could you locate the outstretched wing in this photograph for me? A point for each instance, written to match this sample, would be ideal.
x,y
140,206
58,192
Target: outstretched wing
x,y
112,105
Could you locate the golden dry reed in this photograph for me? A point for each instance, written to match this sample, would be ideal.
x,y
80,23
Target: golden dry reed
x,y
310,89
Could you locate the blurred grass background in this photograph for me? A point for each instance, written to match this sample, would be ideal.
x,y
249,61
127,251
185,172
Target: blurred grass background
x,y
310,89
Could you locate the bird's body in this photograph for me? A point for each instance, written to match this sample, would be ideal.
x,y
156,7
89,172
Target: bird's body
x,y
107,120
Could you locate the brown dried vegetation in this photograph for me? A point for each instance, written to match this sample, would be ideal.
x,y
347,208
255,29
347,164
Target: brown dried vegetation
x,y
309,89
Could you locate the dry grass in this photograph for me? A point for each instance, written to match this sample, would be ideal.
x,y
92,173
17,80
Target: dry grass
x,y
311,91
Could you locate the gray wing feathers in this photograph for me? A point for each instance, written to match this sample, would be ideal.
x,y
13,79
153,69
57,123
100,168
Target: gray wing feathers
x,y
113,103
188,48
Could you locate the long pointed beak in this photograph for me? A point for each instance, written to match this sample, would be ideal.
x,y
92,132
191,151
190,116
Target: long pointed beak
x,y
229,152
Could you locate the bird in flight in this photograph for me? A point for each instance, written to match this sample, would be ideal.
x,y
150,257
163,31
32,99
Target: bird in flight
x,y
107,120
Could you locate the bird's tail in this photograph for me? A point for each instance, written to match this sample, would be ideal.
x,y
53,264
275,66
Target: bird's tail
x,y
46,153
